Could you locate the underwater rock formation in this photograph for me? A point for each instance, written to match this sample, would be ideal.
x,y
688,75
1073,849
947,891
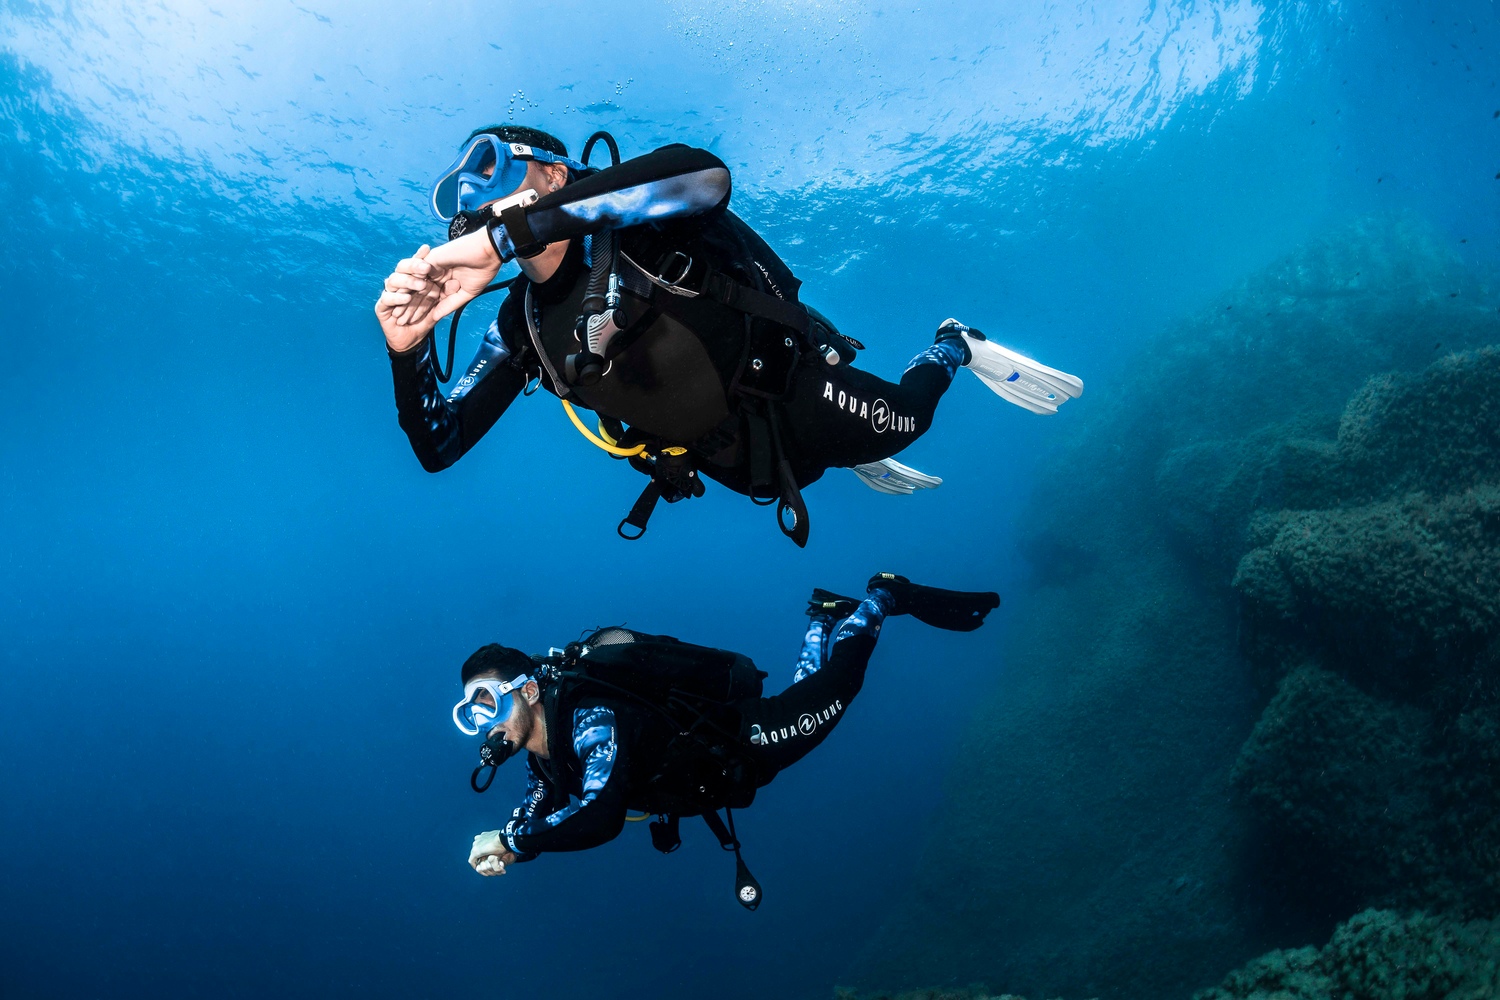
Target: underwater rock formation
x,y
1257,698
1378,955
1375,616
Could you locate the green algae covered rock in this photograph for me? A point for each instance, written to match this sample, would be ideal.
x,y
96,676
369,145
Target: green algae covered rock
x,y
1370,813
1378,955
971,993
1248,692
1374,617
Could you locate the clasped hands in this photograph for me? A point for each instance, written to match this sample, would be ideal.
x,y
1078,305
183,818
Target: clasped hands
x,y
431,284
490,854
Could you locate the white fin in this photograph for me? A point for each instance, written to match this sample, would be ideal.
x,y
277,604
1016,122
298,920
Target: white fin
x,y
890,476
1020,380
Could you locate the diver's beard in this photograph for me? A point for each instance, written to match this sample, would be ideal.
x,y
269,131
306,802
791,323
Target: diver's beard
x,y
498,748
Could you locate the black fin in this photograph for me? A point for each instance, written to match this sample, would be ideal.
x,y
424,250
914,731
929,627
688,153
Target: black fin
x,y
952,610
826,602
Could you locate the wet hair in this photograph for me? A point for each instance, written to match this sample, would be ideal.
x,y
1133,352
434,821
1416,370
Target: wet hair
x,y
524,135
501,661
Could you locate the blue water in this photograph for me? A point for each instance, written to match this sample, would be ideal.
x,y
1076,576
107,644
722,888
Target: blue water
x,y
233,606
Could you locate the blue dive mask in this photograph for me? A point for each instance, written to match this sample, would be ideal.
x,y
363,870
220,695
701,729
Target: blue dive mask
x,y
487,702
464,186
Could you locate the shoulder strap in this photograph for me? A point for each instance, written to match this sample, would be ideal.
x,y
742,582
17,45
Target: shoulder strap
x,y
558,385
722,289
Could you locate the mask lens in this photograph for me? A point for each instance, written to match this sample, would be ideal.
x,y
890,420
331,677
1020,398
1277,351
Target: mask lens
x,y
482,708
474,189
485,705
464,186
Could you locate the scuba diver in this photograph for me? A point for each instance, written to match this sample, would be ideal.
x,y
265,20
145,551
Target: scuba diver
x,y
624,721
642,298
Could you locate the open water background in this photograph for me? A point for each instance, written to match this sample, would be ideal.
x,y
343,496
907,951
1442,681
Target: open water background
x,y
233,606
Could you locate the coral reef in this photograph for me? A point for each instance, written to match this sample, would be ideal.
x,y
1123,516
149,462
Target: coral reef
x,y
1378,955
1251,692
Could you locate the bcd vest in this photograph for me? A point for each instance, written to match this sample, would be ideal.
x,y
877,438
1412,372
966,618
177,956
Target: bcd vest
x,y
712,337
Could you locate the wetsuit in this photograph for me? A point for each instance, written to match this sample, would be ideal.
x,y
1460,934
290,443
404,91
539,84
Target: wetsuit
x,y
687,366
605,753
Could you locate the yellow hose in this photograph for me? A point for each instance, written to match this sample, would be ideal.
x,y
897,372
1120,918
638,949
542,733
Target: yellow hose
x,y
609,445
598,441
636,819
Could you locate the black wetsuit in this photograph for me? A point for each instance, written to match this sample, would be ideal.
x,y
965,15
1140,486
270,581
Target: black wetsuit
x,y
675,387
607,754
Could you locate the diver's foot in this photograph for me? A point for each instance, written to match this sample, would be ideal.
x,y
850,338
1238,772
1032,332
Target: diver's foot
x,y
825,603
952,329
1011,375
954,610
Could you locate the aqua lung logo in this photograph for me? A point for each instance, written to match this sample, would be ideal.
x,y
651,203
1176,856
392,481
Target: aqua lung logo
x,y
463,384
806,725
878,413
775,288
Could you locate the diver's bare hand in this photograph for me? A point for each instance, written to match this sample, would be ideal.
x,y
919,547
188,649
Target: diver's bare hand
x,y
407,300
490,854
460,269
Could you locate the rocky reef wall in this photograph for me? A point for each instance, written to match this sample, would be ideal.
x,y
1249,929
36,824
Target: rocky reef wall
x,y
1250,688
1373,609
1378,955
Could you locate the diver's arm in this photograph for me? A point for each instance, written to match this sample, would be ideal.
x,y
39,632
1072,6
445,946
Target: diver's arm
x,y
442,428
670,183
541,797
674,182
491,851
599,816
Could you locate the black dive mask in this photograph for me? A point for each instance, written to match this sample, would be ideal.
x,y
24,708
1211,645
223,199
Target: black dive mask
x,y
467,222
495,751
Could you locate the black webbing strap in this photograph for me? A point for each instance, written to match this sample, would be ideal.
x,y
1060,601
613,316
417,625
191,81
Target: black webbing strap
x,y
519,231
746,889
664,835
726,839
724,434
762,457
791,497
755,302
640,512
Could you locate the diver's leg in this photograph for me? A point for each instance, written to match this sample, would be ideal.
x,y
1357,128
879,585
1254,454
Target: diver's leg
x,y
843,416
784,727
814,647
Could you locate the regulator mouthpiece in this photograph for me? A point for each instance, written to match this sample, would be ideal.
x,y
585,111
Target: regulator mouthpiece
x,y
495,751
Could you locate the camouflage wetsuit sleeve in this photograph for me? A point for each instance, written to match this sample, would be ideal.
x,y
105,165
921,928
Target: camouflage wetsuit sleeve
x,y
541,797
599,815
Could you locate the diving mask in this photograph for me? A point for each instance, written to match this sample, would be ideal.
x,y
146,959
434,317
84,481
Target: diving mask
x,y
464,186
486,702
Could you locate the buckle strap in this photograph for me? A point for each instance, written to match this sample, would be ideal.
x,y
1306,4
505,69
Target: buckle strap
x,y
757,303
513,218
724,289
640,512
791,496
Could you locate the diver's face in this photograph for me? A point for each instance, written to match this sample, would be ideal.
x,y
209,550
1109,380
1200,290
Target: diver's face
x,y
516,727
543,178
